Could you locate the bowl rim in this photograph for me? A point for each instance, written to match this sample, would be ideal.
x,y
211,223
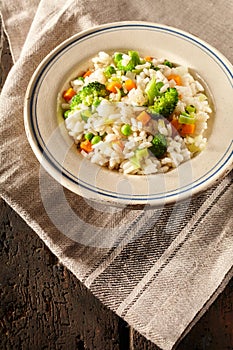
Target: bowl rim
x,y
223,166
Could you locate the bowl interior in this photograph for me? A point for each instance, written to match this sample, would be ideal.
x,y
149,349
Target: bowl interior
x,y
56,151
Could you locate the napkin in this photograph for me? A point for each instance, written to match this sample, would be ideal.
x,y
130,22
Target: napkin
x,y
158,269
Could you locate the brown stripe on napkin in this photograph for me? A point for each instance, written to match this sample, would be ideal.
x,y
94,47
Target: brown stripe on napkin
x,y
188,264
142,248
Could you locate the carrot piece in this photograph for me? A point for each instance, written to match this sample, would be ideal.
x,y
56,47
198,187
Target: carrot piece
x,y
68,94
175,123
130,84
113,86
176,126
148,58
87,74
183,129
86,146
187,129
143,117
176,78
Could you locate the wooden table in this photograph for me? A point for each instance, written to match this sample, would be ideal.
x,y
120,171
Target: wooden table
x,y
44,306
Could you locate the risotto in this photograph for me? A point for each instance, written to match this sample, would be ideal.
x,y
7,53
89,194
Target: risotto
x,y
137,115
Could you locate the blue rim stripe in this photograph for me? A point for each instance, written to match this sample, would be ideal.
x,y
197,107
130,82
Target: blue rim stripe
x,y
49,157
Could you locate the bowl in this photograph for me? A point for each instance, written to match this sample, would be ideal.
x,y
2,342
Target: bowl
x,y
57,153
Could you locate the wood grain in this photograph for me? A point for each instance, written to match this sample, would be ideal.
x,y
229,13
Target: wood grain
x,y
43,306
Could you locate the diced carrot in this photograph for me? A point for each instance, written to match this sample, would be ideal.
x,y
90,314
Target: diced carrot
x,y
87,74
176,126
183,129
176,78
113,86
175,123
143,117
68,94
148,58
130,84
187,129
86,146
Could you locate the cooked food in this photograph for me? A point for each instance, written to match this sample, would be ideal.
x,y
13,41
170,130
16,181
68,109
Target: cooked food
x,y
138,115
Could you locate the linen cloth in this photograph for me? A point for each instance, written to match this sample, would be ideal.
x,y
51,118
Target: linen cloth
x,y
159,269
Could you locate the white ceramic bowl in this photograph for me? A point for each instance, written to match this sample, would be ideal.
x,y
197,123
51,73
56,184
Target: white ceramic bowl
x,y
56,152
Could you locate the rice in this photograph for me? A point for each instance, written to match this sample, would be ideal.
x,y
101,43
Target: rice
x,y
104,119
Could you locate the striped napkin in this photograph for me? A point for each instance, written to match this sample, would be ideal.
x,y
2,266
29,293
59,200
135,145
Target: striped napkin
x,y
158,269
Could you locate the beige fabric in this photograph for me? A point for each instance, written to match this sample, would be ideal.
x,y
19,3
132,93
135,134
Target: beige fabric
x,y
18,17
158,269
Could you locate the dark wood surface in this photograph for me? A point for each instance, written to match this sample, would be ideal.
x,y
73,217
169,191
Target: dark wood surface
x,y
44,306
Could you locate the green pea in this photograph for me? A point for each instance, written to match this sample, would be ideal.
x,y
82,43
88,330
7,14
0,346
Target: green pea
x,y
126,129
95,139
88,136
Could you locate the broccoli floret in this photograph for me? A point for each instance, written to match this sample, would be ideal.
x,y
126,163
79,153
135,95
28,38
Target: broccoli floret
x,y
153,89
109,70
133,62
97,88
165,104
66,114
90,94
154,67
159,145
76,100
168,63
80,78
